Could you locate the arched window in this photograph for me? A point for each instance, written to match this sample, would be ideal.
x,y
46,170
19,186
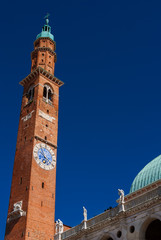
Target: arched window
x,y
30,94
45,92
153,231
48,94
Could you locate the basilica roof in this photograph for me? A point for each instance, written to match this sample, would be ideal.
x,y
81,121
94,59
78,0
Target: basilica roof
x,y
149,174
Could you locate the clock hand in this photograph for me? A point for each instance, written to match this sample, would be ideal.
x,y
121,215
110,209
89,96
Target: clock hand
x,y
47,159
43,153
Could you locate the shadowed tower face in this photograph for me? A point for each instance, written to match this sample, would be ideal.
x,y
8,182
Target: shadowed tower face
x,y
31,212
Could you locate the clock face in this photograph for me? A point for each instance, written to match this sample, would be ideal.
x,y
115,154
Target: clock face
x,y
44,156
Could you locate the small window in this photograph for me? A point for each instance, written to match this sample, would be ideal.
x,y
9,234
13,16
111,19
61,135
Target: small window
x,y
42,60
52,195
42,184
45,138
132,229
42,54
25,138
45,92
41,203
47,111
49,62
49,56
28,234
21,180
119,234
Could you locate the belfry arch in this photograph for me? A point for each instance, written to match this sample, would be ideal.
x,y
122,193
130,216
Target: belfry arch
x,y
107,236
153,231
151,228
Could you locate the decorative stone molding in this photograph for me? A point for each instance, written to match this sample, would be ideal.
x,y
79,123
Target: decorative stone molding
x,y
16,213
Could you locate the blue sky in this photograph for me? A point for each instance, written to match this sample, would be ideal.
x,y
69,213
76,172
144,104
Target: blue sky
x,y
109,56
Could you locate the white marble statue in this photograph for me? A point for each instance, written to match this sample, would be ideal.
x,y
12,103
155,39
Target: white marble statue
x,y
59,228
85,213
17,206
122,194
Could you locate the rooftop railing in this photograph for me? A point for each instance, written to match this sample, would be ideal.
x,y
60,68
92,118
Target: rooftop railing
x,y
111,213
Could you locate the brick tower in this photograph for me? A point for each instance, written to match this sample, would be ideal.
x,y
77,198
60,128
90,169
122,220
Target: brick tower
x,y
31,212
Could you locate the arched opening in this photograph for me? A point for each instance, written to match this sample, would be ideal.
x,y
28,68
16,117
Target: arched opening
x,y
107,236
30,94
153,231
44,92
48,94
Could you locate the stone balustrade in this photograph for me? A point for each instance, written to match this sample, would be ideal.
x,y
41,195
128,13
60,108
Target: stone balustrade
x,y
130,205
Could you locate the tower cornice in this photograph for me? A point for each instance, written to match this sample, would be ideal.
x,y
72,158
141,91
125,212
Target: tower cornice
x,y
43,49
45,73
37,40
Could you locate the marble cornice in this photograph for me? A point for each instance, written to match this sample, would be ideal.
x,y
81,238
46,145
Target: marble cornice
x,y
143,206
142,191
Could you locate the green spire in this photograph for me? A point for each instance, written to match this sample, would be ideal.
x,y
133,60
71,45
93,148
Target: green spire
x,y
46,29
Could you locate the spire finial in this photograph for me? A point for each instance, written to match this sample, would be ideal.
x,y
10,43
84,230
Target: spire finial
x,y
47,18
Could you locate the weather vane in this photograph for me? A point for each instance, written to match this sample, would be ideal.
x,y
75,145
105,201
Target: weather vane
x,y
47,16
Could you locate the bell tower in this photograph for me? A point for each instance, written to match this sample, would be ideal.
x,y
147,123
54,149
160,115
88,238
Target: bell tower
x,y
31,213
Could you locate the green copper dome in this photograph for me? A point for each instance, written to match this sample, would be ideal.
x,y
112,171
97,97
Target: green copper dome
x,y
46,30
149,174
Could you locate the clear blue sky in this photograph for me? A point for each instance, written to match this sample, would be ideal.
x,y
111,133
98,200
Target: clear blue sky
x,y
109,56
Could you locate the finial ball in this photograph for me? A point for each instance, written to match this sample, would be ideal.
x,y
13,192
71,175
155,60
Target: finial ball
x,y
47,21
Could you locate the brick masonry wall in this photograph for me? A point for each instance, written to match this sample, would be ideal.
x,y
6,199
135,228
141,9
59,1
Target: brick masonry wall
x,y
28,176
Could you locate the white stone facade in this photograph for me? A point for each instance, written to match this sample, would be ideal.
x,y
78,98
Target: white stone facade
x,y
141,208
